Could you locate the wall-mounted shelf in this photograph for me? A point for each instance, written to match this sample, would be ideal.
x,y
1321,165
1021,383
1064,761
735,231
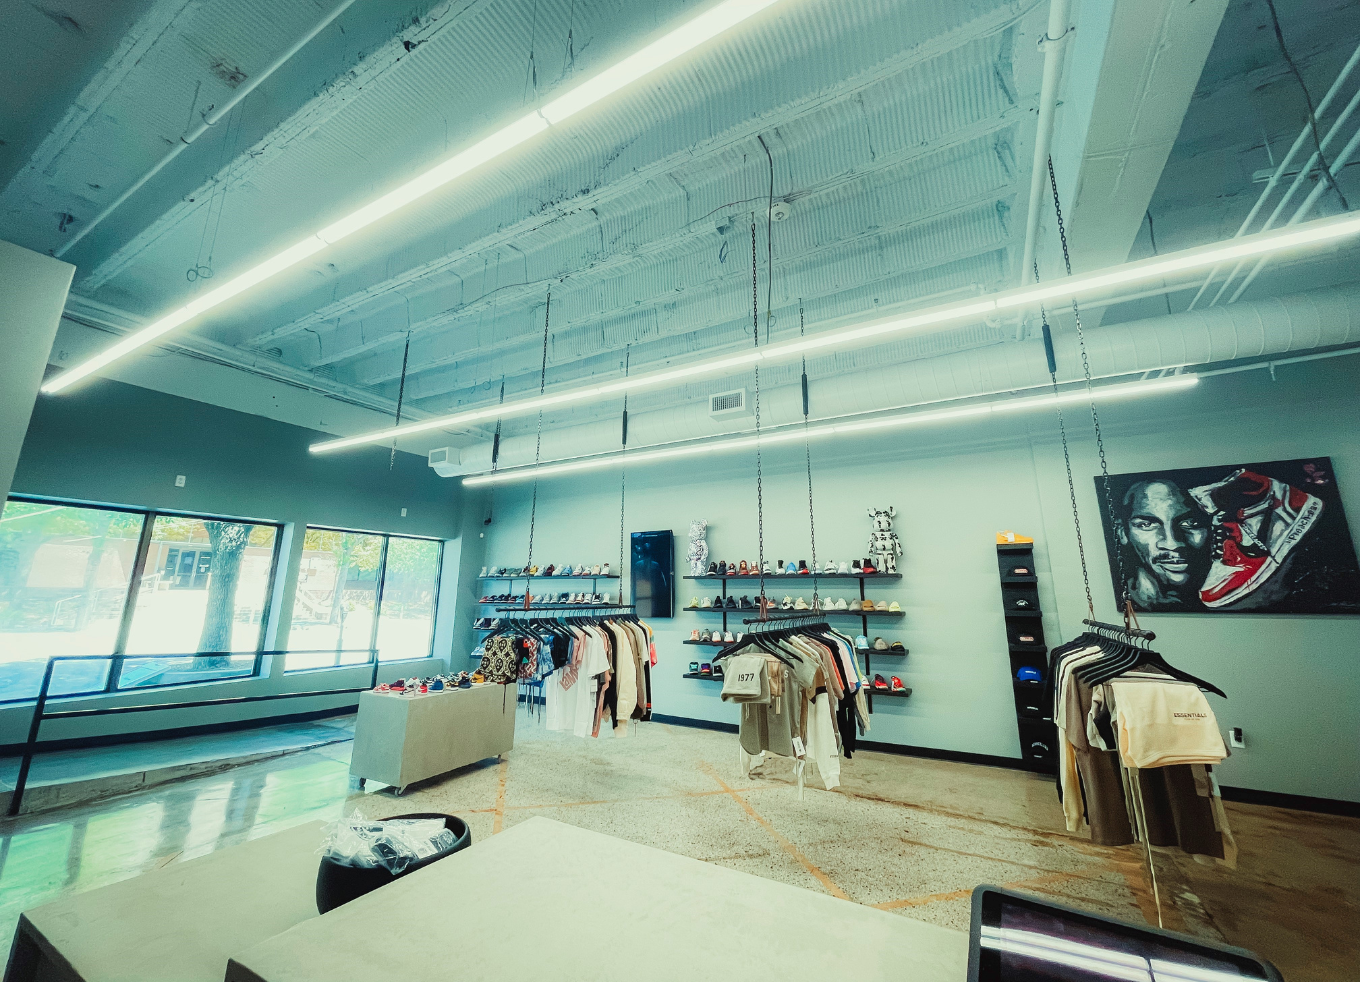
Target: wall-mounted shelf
x,y
540,576
901,694
703,678
708,644
785,577
1033,718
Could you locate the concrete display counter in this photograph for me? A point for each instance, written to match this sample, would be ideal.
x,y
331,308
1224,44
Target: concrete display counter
x,y
179,923
400,739
596,907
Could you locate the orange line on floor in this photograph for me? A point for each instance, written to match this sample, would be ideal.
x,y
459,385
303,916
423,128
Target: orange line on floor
x,y
500,797
932,898
784,843
611,801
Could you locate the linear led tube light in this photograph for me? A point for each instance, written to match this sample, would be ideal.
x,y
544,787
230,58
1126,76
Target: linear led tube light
x,y
1262,243
715,21
1124,390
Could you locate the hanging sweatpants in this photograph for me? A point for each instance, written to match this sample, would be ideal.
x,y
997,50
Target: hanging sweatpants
x,y
822,748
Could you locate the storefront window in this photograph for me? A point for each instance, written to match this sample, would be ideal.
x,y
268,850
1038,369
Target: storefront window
x,y
410,584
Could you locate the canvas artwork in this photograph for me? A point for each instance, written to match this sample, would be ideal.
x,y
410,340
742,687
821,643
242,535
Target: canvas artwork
x,y
1267,538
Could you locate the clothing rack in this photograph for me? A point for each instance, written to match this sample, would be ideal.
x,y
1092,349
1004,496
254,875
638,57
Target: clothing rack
x,y
1120,629
564,608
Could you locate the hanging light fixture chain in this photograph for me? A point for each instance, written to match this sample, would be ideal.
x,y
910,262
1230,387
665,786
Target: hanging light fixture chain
x,y
623,474
1122,598
538,447
760,492
807,453
401,396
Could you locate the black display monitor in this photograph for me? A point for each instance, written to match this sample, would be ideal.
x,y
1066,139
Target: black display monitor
x,y
653,573
1018,938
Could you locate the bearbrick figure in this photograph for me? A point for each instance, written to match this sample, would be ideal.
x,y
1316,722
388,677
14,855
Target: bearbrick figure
x,y
884,545
698,547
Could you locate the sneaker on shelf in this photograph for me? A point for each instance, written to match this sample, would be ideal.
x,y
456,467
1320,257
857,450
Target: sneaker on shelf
x,y
830,566
694,634
694,668
693,602
706,603
483,572
786,603
862,643
604,598
866,605
722,568
843,568
869,568
712,569
1257,522
897,648
800,604
778,567
745,604
478,678
740,635
705,636
383,687
742,568
604,570
706,670
882,605
894,608
727,637
842,604
897,685
437,685
880,683
858,567
880,644
731,603
717,671
803,567
792,568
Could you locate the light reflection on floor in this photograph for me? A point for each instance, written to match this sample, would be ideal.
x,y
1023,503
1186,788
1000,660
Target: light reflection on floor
x,y
77,849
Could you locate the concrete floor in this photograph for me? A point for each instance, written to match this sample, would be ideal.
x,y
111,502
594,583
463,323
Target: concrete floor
x,y
905,835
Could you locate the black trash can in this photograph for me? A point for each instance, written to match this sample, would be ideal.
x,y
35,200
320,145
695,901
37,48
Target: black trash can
x,y
337,884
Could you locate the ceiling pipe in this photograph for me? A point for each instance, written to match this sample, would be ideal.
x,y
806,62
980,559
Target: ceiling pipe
x,y
1283,167
1289,325
207,121
1053,44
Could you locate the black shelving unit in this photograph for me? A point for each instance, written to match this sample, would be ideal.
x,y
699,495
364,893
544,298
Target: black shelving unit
x,y
1025,644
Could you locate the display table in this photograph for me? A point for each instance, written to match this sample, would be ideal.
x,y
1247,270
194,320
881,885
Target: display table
x,y
179,923
550,901
401,739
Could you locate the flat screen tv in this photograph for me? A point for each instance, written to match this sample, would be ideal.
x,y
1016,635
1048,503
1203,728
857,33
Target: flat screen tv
x,y
653,573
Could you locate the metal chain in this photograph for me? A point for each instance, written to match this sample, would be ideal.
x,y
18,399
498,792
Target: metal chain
x,y
401,395
623,474
538,446
496,440
1067,457
1122,599
807,452
760,491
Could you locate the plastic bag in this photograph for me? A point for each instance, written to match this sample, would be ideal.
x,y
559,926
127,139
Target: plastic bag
x,y
394,843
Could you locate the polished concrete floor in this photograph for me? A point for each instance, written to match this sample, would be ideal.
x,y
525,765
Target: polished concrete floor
x,y
905,835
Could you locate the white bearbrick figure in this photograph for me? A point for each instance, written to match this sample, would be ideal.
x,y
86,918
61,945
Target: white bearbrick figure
x,y
884,545
698,547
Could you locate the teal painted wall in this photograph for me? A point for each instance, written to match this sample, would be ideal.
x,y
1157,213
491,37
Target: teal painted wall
x,y
1292,681
120,444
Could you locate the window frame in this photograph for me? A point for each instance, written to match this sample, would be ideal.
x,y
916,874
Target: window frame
x,y
119,656
380,589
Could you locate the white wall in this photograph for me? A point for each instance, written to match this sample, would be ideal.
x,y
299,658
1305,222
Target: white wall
x,y
1291,680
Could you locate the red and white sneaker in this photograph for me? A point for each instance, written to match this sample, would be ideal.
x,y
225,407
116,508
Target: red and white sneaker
x,y
1258,520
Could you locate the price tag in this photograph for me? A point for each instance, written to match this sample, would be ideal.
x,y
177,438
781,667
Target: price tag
x,y
798,749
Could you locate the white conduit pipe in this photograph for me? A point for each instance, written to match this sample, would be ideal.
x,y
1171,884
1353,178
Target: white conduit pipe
x,y
208,120
1053,44
1291,324
1294,186
1284,166
1341,160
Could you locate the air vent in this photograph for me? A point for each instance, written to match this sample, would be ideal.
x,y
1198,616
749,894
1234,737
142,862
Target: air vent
x,y
324,371
724,404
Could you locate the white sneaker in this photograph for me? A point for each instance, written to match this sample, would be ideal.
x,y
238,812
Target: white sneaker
x,y
483,572
800,604
786,604
841,604
843,568
706,602
604,570
830,566
727,636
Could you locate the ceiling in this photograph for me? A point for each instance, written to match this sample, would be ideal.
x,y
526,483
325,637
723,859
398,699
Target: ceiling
x,y
899,135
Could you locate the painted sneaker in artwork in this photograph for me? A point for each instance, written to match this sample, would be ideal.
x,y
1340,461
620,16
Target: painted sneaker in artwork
x,y
1258,521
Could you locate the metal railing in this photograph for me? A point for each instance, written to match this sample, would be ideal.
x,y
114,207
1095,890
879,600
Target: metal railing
x,y
40,713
